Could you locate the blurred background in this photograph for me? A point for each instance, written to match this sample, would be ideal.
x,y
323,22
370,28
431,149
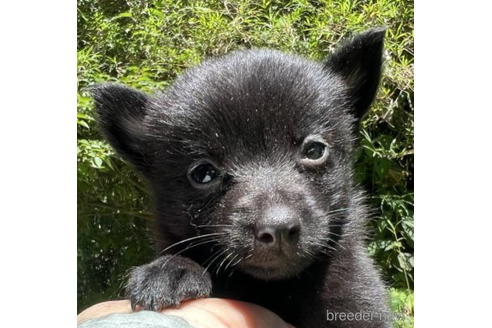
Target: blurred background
x,y
146,44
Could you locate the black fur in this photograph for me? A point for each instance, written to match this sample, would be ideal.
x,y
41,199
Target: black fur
x,y
287,231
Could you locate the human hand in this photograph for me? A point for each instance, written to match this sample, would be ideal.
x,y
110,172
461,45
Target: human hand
x,y
201,313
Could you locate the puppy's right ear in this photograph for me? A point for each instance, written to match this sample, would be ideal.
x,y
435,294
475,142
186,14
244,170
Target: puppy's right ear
x,y
121,111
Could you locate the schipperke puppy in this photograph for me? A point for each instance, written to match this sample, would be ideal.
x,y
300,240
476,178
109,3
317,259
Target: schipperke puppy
x,y
249,157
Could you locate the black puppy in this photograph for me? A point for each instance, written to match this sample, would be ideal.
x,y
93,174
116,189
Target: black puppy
x,y
250,160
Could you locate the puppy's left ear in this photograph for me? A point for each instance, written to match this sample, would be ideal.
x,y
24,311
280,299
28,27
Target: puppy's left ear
x,y
359,62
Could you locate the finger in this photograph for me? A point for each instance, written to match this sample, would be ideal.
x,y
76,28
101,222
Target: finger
x,y
104,308
224,313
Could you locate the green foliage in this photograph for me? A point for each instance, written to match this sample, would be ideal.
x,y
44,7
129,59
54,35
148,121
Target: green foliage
x,y
146,44
402,306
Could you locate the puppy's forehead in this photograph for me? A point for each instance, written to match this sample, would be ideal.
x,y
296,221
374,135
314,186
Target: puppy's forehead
x,y
254,98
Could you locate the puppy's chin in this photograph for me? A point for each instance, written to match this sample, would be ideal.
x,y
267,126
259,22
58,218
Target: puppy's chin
x,y
280,269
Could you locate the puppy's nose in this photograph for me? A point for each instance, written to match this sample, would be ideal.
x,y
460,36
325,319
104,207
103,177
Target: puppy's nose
x,y
279,225
273,234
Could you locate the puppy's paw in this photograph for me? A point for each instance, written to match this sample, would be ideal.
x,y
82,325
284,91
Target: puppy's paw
x,y
167,281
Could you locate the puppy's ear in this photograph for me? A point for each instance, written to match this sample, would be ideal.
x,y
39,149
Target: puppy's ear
x,y
358,61
121,111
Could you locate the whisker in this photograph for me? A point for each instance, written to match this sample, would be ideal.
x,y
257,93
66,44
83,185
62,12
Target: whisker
x,y
208,259
236,263
220,253
193,238
223,261
234,267
333,241
212,225
337,210
334,234
336,225
187,248
230,262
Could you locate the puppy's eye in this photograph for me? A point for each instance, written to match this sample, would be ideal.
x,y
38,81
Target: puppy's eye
x,y
203,173
314,151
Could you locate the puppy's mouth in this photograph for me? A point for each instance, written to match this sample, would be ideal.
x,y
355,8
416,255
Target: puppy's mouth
x,y
274,265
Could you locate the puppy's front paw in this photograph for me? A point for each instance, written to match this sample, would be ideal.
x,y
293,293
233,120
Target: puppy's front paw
x,y
167,281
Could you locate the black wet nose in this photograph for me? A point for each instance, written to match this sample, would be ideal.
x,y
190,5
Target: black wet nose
x,y
273,234
279,225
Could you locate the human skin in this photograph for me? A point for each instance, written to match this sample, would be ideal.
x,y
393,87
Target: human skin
x,y
201,313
